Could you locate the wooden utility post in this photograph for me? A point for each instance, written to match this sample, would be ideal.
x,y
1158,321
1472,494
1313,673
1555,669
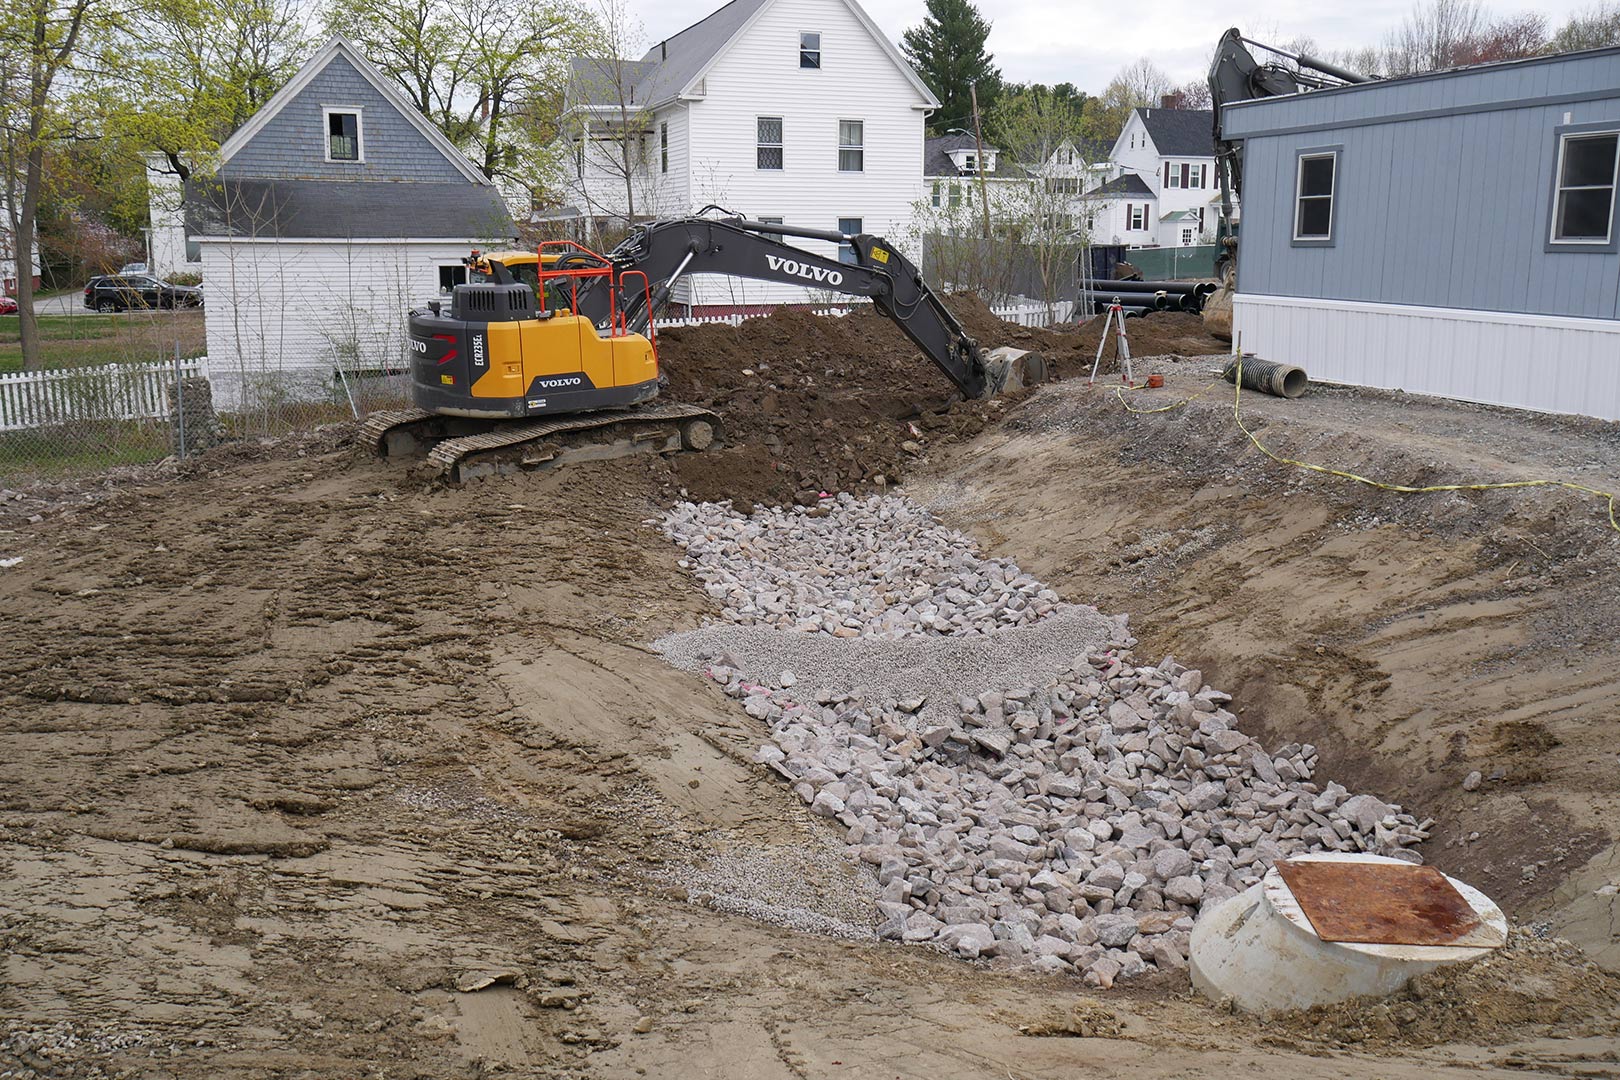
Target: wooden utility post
x,y
978,160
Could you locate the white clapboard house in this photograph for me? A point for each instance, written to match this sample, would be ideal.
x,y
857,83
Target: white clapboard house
x,y
799,111
336,208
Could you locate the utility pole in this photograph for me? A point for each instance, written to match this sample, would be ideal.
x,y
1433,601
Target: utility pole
x,y
978,159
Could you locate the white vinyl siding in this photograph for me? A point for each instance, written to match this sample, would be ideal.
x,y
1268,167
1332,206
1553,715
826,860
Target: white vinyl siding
x,y
274,307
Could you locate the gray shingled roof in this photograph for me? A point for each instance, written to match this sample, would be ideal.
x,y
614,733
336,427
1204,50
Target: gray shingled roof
x,y
937,157
1181,132
667,67
1123,187
334,209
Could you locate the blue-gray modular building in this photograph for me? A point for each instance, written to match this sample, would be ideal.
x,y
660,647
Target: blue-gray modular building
x,y
1453,233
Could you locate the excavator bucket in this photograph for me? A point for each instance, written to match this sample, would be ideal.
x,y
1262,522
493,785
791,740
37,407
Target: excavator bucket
x,y
1218,312
1013,369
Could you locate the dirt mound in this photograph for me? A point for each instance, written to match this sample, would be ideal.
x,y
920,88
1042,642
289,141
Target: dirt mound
x,y
1521,991
813,403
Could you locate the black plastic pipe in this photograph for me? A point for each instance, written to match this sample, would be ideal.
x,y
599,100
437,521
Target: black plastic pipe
x,y
1269,377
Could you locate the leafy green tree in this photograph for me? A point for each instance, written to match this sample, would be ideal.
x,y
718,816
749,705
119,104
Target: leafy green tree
x,y
1590,28
43,45
947,50
487,74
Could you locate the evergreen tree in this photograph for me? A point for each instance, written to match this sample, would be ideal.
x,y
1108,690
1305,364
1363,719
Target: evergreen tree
x,y
948,52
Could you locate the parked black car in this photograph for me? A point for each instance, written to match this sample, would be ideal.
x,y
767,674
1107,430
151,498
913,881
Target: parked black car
x,y
112,292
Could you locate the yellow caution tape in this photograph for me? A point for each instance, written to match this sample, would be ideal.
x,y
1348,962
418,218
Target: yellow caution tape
x,y
1119,392
1237,397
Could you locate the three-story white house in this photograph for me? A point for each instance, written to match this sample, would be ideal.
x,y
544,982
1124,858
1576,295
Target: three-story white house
x,y
798,111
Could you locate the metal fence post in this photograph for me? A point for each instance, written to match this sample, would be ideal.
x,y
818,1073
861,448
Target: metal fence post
x,y
180,399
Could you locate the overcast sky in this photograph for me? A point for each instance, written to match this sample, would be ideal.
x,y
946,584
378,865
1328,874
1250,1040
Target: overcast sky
x,y
1043,41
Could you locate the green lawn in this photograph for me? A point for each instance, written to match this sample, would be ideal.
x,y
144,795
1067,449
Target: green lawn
x,y
127,338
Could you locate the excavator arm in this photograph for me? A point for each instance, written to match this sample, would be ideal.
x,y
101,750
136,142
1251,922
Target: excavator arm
x,y
667,251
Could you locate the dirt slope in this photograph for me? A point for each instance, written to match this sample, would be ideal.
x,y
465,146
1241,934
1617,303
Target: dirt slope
x,y
299,743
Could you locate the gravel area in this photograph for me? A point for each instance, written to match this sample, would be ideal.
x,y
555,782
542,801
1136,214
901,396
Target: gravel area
x,y
1075,814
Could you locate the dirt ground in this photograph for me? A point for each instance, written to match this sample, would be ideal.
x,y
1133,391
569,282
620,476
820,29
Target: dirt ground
x,y
316,768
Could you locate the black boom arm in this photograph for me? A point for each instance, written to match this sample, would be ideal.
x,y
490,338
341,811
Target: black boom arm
x,y
667,251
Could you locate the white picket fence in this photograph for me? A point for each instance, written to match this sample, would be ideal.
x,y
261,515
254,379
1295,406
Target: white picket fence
x,y
1022,314
36,399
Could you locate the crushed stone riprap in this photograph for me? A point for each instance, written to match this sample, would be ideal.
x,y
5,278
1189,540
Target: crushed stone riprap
x,y
878,566
1078,820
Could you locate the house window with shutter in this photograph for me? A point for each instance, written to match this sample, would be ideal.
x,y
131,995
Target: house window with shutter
x,y
851,146
768,147
810,49
1315,184
344,140
1584,185
1172,177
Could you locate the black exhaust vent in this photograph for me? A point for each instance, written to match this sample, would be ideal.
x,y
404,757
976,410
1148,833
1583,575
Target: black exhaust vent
x,y
489,302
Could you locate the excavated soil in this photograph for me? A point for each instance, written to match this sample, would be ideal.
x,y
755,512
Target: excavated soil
x,y
315,767
816,404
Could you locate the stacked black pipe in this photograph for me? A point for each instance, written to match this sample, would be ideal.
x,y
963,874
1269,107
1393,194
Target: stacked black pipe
x,y
1141,297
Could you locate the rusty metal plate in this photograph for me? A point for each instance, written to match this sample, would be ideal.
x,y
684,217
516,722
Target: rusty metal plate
x,y
1383,904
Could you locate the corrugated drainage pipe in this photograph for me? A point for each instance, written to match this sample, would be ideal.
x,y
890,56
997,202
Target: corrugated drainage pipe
x,y
1269,377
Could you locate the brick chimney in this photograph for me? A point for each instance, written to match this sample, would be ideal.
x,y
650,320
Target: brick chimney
x,y
1168,101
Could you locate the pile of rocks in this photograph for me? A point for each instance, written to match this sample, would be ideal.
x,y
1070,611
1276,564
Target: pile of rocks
x,y
880,566
1079,825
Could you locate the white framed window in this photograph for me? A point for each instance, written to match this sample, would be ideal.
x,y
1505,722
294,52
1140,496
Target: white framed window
x,y
851,146
771,219
1186,237
1138,216
809,49
1584,188
935,194
1172,175
344,132
768,147
849,226
955,194
1315,181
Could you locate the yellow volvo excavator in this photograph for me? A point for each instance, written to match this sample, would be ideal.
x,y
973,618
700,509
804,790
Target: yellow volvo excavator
x,y
551,356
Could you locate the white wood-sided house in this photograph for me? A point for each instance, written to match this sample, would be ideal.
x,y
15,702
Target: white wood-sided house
x,y
1162,189
334,209
800,111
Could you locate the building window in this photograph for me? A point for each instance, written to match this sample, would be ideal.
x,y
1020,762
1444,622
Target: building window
x,y
1172,178
452,275
769,150
766,219
1186,237
809,50
343,138
1313,203
1138,216
1200,176
955,195
1583,198
849,226
851,146
663,147
934,196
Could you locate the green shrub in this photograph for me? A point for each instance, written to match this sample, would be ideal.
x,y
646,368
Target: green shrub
x,y
190,277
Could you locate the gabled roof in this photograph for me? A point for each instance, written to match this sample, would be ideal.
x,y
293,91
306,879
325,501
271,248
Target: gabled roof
x,y
339,209
340,46
1129,186
673,67
1180,132
937,157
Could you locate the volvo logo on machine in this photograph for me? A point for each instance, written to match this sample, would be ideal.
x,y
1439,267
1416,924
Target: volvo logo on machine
x,y
805,270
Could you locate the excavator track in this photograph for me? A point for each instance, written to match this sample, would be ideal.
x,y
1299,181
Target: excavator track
x,y
465,449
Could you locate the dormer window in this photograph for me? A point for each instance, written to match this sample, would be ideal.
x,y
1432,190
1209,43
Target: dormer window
x,y
810,49
344,139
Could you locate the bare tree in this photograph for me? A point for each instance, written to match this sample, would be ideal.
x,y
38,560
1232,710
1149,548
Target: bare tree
x,y
1437,34
1590,28
610,128
1138,85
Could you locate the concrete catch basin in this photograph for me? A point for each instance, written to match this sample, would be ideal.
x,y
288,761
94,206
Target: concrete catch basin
x,y
1328,927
